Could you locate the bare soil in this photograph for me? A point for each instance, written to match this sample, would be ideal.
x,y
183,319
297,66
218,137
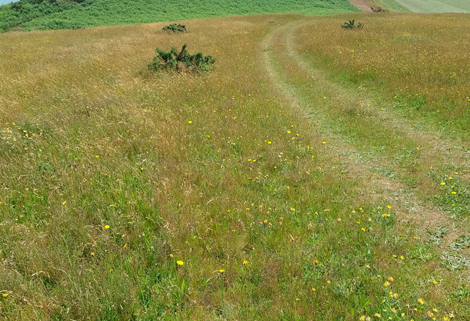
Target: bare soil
x,y
364,5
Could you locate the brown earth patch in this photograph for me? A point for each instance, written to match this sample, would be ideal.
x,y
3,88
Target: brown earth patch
x,y
365,5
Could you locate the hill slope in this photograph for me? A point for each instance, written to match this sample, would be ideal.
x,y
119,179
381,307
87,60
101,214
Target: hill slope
x,y
70,14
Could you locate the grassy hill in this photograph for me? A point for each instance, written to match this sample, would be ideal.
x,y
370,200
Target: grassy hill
x,y
70,14
316,173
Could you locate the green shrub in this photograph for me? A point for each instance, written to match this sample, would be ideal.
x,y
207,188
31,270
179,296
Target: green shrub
x,y
182,61
351,25
174,28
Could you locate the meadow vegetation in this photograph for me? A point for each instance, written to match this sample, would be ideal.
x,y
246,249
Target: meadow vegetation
x,y
305,177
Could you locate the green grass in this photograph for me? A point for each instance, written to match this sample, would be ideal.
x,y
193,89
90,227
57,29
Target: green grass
x,y
435,5
111,12
392,5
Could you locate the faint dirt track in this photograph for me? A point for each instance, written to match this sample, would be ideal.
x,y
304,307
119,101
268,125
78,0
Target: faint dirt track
x,y
410,208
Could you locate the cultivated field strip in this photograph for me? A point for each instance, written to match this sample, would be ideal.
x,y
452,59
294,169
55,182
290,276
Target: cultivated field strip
x,y
436,5
284,65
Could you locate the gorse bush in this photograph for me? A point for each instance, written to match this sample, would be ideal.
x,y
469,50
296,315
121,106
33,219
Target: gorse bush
x,y
351,24
182,61
175,28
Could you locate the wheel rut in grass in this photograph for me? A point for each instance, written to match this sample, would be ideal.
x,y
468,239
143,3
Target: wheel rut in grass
x,y
445,150
278,48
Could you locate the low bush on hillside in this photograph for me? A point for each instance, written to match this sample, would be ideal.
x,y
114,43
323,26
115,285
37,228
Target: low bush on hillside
x,y
378,9
175,28
351,24
182,61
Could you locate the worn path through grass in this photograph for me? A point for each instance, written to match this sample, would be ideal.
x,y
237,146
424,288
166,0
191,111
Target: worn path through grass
x,y
398,159
339,111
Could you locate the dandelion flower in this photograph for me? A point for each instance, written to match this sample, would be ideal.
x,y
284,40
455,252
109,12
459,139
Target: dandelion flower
x,y
180,263
221,271
245,262
106,226
64,202
5,295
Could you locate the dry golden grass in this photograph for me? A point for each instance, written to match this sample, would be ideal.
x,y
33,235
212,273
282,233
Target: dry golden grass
x,y
132,196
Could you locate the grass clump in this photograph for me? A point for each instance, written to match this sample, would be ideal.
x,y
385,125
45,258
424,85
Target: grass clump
x,y
182,61
175,28
351,24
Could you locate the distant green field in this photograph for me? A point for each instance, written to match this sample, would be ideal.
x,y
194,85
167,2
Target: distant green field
x,y
112,12
392,5
435,5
